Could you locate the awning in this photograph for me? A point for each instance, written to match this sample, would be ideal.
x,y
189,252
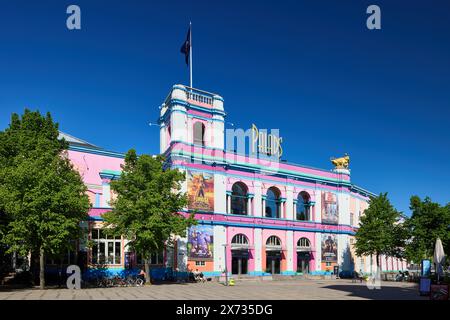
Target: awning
x,y
304,249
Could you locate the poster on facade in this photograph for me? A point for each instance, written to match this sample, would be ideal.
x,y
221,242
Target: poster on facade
x,y
200,191
329,248
330,209
200,242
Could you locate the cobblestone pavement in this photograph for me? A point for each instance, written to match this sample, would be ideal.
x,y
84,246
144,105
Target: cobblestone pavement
x,y
245,290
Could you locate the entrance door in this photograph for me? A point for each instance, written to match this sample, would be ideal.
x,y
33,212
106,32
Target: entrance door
x,y
303,262
244,265
234,265
239,262
273,263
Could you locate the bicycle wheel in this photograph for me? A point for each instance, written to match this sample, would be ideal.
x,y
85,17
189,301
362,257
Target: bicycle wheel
x,y
139,282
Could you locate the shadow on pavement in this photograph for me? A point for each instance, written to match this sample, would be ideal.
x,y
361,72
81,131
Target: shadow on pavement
x,y
384,293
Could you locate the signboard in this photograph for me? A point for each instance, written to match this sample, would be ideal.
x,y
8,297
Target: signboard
x,y
329,248
268,144
200,243
426,268
330,208
200,191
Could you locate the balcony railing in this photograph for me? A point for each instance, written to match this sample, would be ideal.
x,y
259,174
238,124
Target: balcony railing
x,y
199,96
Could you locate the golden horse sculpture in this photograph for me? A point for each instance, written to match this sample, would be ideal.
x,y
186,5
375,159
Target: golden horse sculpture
x,y
342,162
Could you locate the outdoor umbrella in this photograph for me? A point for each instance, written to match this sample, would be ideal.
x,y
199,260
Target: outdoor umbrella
x,y
439,256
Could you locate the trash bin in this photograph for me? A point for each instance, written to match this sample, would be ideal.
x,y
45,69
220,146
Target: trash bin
x,y
424,286
336,271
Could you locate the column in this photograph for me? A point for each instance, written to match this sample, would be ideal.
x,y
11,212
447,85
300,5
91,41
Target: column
x,y
294,212
257,241
229,202
263,208
290,214
318,253
249,205
289,251
257,202
219,252
283,208
318,204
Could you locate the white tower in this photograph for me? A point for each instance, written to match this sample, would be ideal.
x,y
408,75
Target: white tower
x,y
192,117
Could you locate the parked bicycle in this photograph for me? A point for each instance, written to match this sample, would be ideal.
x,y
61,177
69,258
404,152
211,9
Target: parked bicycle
x,y
117,281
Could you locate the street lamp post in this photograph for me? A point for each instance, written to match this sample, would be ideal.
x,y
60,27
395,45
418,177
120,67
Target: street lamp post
x,y
226,269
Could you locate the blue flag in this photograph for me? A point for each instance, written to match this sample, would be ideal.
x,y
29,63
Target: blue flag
x,y
186,47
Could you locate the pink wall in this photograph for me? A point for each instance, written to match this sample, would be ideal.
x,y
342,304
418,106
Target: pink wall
x,y
266,233
248,232
312,239
89,165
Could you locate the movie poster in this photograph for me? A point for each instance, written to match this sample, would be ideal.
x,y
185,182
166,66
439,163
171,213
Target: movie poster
x,y
200,191
329,248
200,242
330,209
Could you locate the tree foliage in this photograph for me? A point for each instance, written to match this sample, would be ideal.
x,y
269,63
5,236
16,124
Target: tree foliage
x,y
42,196
381,231
148,199
428,221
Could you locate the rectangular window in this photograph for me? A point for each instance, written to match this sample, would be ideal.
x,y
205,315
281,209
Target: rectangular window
x,y
110,252
95,253
101,253
351,218
106,249
117,251
155,259
200,263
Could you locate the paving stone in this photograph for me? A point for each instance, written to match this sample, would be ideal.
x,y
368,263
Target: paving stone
x,y
246,290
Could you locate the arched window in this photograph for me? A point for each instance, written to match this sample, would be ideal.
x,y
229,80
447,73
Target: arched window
x,y
199,133
273,241
239,239
303,208
303,244
239,199
273,203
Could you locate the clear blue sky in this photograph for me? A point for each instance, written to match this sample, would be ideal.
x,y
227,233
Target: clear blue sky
x,y
310,68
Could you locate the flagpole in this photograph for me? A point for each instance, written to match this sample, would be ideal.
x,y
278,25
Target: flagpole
x,y
190,54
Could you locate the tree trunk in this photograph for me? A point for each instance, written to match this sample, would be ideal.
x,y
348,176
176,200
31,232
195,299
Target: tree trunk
x,y
41,269
148,278
378,260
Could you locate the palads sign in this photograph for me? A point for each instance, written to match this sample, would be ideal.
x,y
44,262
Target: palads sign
x,y
200,191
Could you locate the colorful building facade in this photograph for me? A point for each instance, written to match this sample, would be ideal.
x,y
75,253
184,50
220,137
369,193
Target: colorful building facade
x,y
257,215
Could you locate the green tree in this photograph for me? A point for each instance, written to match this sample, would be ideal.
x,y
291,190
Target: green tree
x,y
428,221
146,209
42,195
381,231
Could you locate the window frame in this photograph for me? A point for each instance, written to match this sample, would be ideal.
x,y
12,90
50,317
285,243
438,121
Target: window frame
x,y
277,201
102,243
